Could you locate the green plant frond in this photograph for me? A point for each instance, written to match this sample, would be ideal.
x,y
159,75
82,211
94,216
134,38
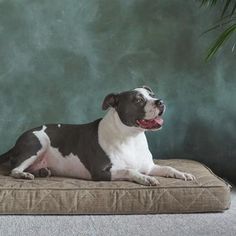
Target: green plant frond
x,y
227,21
233,9
205,2
213,2
228,4
208,2
218,25
225,7
229,16
220,41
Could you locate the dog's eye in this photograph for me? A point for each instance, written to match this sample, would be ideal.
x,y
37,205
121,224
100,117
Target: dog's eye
x,y
139,100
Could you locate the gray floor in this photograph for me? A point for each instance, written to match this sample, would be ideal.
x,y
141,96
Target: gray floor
x,y
181,224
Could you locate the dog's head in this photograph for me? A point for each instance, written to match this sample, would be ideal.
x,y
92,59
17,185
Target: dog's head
x,y
137,108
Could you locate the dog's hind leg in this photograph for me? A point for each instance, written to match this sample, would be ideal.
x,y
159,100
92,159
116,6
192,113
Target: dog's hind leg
x,y
28,152
19,173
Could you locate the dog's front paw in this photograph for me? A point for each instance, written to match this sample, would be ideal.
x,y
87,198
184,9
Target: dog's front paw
x,y
186,176
148,180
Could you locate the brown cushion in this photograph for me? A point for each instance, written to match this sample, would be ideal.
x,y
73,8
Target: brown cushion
x,y
56,195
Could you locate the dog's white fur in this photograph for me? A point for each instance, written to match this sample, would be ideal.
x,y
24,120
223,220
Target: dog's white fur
x,y
128,151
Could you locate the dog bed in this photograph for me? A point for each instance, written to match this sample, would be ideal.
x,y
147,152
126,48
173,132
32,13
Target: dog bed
x,y
56,195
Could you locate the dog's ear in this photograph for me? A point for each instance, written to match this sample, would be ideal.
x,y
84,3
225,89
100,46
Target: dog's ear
x,y
111,100
147,88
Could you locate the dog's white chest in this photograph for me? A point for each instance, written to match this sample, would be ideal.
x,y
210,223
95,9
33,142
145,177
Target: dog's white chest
x,y
127,153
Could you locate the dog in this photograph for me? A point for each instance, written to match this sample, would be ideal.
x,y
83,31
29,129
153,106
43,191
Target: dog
x,y
108,149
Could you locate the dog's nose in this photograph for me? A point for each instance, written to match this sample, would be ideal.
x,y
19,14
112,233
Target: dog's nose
x,y
159,103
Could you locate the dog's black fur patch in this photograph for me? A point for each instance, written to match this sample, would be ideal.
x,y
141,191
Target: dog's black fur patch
x,y
27,145
80,140
127,106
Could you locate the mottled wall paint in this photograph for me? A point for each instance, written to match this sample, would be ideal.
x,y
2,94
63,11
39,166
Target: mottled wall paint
x,y
58,59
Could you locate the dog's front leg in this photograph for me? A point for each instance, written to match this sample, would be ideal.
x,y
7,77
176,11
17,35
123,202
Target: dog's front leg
x,y
167,171
133,175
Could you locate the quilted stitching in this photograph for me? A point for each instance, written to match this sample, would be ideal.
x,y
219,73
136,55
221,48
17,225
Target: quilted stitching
x,y
67,195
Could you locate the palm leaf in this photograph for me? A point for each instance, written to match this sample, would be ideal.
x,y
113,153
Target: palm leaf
x,y
208,2
225,7
213,2
219,25
227,17
220,41
233,9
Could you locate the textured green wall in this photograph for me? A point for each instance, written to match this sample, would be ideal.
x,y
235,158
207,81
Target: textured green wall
x,y
58,59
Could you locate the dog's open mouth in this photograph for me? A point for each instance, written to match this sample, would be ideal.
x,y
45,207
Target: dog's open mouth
x,y
155,123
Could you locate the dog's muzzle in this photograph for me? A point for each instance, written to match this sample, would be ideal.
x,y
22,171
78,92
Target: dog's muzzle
x,y
160,105
156,122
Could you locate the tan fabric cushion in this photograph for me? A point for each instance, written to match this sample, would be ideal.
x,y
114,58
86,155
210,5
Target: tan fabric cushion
x,y
55,195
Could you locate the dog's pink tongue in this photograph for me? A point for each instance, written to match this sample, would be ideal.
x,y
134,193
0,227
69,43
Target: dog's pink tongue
x,y
149,124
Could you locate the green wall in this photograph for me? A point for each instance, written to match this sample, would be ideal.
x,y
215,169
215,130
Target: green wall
x,y
58,59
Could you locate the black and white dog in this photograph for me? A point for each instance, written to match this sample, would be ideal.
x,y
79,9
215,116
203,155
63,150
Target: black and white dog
x,y
112,148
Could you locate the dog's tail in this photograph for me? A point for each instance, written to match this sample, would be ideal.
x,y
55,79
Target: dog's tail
x,y
6,156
